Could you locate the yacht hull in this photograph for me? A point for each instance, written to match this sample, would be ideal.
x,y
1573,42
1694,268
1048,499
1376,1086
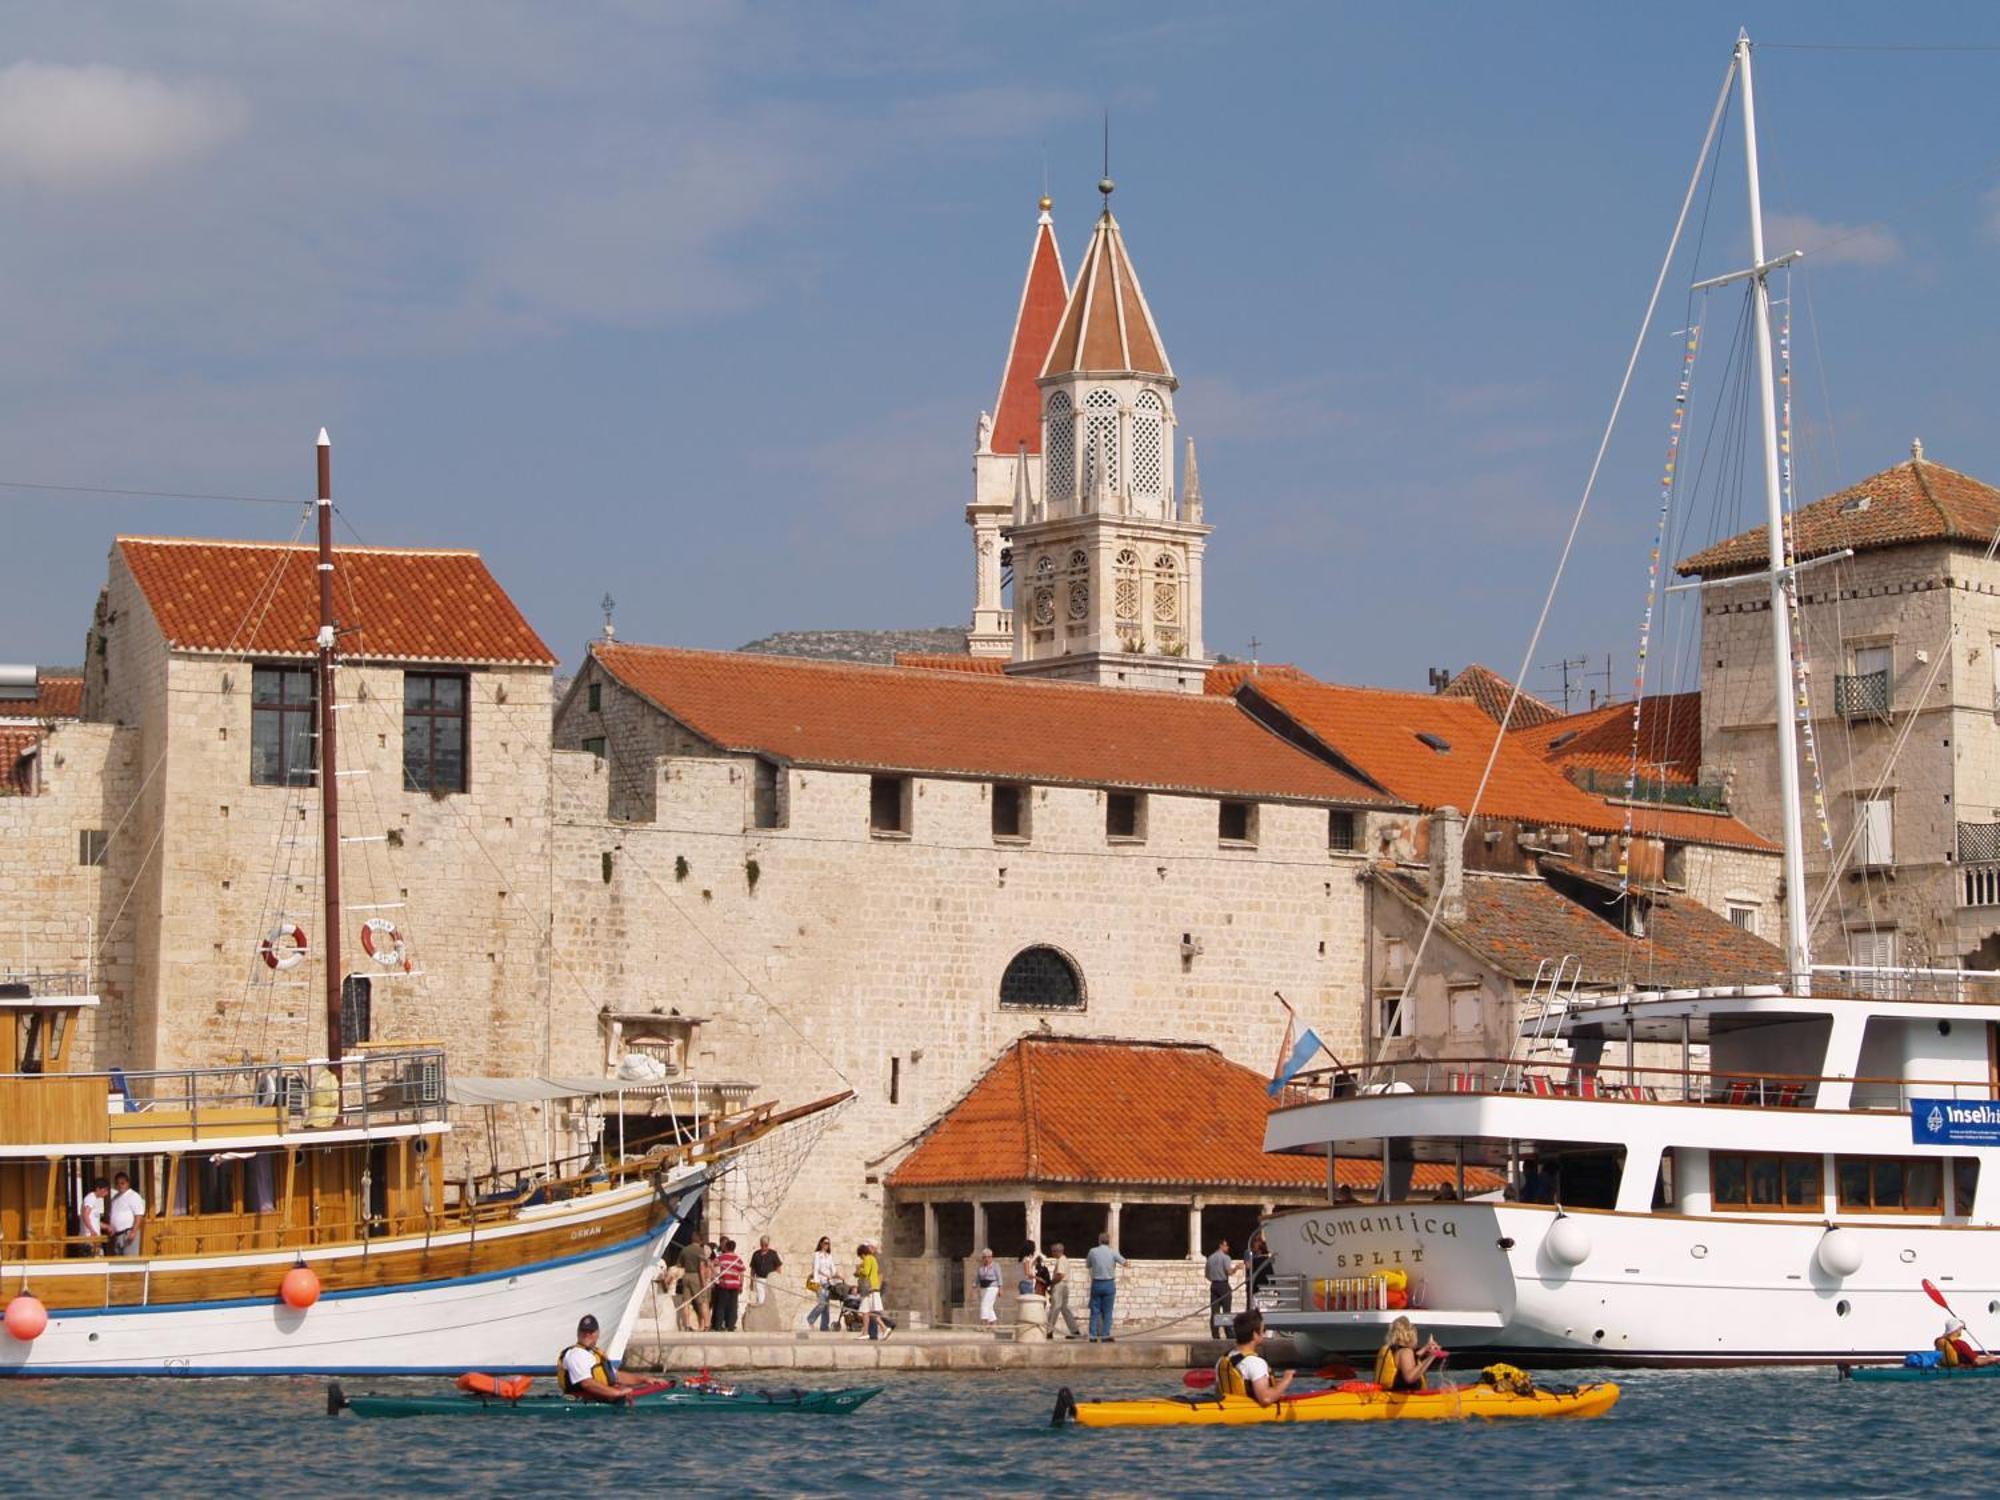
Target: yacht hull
x,y
1648,1288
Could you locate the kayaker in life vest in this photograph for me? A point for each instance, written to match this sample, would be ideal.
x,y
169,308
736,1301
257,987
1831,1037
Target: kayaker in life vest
x,y
586,1375
1245,1372
1957,1351
1399,1364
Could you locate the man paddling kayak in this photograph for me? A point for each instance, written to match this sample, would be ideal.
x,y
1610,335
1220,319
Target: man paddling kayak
x,y
586,1375
1956,1351
1245,1372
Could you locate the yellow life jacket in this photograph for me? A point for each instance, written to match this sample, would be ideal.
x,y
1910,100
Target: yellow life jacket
x,y
600,1370
1229,1375
1385,1368
1949,1349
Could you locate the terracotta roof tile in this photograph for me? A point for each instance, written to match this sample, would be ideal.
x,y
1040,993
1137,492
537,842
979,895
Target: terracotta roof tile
x,y
56,698
1107,326
1600,740
1062,1110
393,603
1917,501
1017,415
949,661
1491,691
1517,923
974,724
1430,751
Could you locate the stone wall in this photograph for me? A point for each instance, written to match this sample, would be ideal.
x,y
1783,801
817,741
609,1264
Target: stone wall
x,y
825,957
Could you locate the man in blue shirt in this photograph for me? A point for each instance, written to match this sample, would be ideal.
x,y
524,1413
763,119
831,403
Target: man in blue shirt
x,y
1103,1262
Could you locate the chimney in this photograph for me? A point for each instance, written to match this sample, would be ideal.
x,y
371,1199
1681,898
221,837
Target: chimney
x,y
1448,862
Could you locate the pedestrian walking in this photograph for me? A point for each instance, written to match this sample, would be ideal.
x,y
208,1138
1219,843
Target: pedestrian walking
x,y
986,1276
820,1284
728,1290
1103,1262
1058,1287
868,1282
764,1264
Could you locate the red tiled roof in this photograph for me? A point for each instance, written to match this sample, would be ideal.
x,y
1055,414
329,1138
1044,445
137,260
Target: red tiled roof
x,y
1377,731
1131,1114
1917,501
1518,922
1017,415
1491,692
56,698
1224,678
1107,326
393,603
973,724
1600,740
952,661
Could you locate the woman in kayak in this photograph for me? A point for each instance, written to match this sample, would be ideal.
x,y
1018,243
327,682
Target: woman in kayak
x,y
1245,1372
1399,1364
1956,1351
584,1374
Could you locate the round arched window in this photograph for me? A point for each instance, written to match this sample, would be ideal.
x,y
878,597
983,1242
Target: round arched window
x,y
1042,978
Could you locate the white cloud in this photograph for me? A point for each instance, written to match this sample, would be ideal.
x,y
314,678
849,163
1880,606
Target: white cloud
x,y
1827,244
78,127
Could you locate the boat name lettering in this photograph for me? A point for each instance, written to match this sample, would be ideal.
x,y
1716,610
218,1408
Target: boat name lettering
x,y
1324,1232
586,1232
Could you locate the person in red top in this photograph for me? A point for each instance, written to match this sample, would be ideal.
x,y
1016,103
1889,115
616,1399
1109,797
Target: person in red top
x,y
729,1272
1956,1351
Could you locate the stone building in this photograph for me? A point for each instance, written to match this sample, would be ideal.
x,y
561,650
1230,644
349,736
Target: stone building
x,y
1902,645
882,878
174,830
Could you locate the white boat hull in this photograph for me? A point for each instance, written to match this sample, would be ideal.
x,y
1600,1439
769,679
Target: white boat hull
x,y
514,1321
1652,1288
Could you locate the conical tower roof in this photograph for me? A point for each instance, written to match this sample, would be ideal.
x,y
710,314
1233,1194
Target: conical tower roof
x,y
1107,327
1017,415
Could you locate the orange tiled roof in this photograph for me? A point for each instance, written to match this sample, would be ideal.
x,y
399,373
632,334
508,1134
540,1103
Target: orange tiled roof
x,y
1600,739
393,603
1517,923
1917,501
1017,415
1377,732
1107,326
56,698
952,661
1059,1110
1491,691
973,724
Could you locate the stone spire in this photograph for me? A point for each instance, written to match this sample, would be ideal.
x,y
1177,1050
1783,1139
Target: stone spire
x,y
1017,414
1190,487
1108,328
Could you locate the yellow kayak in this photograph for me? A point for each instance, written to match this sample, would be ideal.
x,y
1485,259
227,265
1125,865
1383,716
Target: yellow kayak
x,y
1443,1405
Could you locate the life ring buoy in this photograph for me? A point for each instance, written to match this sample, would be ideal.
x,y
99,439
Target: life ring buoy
x,y
382,942
278,956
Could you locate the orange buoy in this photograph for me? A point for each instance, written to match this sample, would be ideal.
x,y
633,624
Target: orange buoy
x,y
25,1318
300,1288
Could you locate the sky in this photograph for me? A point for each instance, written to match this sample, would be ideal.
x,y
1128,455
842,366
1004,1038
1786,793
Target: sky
x,y
697,304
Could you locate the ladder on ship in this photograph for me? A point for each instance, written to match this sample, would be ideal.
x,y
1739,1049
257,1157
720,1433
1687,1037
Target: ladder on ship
x,y
1546,1004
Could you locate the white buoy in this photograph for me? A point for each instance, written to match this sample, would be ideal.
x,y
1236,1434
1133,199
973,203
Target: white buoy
x,y
1568,1242
1839,1253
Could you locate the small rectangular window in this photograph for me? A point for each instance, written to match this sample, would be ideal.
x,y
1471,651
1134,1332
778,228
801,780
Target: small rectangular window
x,y
284,741
1236,823
1395,1018
594,696
1010,811
595,745
889,804
90,846
434,732
1765,1182
767,795
1891,1184
1124,816
1743,915
1340,830
1875,822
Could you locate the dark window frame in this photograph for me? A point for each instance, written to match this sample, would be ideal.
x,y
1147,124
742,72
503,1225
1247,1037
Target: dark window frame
x,y
1236,823
1010,793
1034,965
880,792
594,745
1781,1163
1343,834
435,716
770,807
1905,1166
1125,830
297,723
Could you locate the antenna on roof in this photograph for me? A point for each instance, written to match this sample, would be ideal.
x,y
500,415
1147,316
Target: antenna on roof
x,y
1104,183
1440,679
608,604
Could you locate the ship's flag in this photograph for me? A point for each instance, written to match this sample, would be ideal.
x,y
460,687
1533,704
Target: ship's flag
x,y
1302,1053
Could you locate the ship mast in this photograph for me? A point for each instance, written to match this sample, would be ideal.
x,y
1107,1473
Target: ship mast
x,y
329,777
1784,580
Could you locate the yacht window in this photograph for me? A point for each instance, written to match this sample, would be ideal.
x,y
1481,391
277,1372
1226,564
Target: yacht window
x,y
1890,1184
1964,1182
1765,1182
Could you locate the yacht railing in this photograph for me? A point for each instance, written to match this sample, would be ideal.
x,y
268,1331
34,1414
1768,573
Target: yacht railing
x,y
56,983
1742,1088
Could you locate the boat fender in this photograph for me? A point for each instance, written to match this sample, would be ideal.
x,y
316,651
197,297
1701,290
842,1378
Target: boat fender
x,y
1839,1253
1568,1242
25,1318
300,1288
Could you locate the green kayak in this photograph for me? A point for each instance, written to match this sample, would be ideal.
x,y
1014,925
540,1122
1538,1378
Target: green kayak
x,y
685,1400
1931,1372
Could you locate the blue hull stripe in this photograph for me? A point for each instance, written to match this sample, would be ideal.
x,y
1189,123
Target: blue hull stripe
x,y
64,1314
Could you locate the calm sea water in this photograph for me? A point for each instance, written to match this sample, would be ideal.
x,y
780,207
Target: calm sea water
x,y
1730,1432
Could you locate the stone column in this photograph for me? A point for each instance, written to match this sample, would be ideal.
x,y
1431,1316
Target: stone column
x,y
930,1230
1194,1230
978,1227
1116,1207
1033,1208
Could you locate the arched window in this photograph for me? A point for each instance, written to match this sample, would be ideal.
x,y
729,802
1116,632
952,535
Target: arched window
x,y
1059,444
1166,590
1042,978
1127,595
1148,445
1103,435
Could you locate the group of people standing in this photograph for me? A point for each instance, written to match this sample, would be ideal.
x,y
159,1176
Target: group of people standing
x,y
1051,1276
112,1218
710,1277
1221,1267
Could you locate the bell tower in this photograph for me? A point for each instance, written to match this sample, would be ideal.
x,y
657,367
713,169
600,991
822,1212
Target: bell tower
x,y
1007,450
1107,556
